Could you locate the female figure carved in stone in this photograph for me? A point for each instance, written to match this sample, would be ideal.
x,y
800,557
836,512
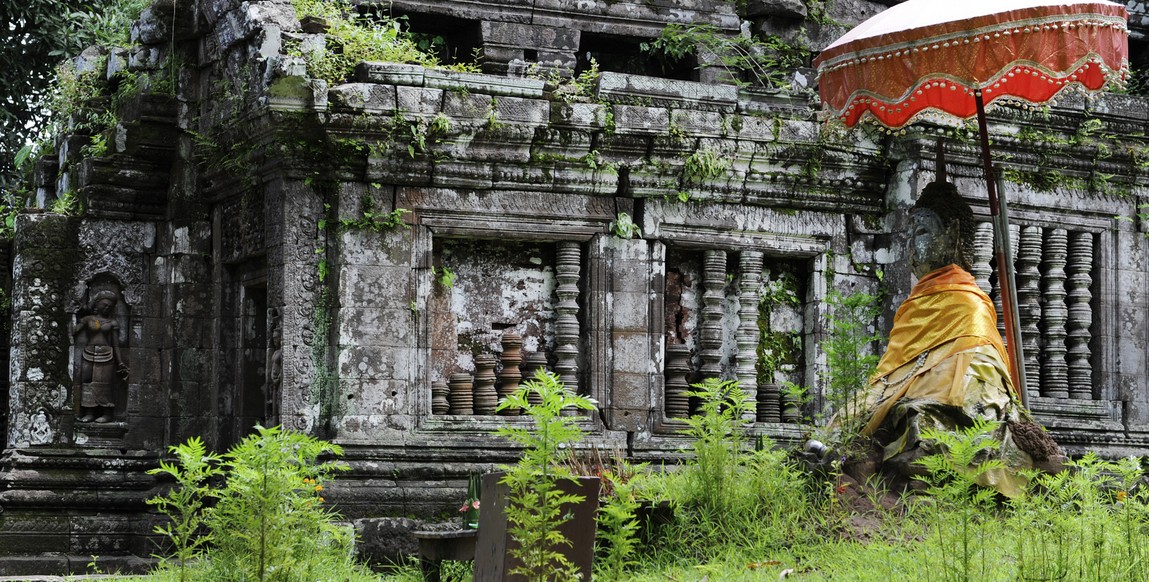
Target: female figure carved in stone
x,y
98,334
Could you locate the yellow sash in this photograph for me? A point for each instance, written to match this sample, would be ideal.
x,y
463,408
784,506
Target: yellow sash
x,y
944,306
945,315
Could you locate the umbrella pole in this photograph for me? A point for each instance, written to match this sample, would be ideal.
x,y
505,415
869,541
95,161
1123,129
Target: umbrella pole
x,y
1005,279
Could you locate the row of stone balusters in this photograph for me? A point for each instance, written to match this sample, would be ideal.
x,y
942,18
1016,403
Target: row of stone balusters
x,y
1055,308
480,394
678,371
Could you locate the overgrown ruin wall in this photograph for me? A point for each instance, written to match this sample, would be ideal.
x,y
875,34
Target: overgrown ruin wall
x,y
243,223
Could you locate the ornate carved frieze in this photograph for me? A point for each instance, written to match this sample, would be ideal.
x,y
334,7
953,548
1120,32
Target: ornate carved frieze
x,y
242,227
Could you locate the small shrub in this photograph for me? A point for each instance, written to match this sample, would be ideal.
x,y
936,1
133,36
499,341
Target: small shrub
x,y
536,506
184,503
268,523
718,431
623,226
352,38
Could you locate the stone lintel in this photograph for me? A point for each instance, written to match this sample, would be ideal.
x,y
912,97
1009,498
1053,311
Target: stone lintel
x,y
657,91
529,36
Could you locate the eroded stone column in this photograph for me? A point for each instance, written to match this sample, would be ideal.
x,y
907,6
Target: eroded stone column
x,y
1054,374
677,369
982,257
1029,302
568,260
714,283
749,282
1080,320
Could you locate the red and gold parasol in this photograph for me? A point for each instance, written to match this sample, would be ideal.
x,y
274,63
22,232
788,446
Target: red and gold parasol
x,y
925,59
945,61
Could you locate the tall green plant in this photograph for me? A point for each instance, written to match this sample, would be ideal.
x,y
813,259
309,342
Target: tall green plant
x,y
850,360
536,506
953,476
184,503
718,431
1133,514
269,522
617,529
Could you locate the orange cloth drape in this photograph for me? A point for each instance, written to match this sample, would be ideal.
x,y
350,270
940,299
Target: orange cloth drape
x,y
946,314
945,305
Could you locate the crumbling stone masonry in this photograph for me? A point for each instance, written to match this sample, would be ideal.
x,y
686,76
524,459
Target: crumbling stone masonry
x,y
244,222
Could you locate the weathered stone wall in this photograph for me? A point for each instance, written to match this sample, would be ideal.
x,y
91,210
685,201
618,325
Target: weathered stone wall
x,y
244,220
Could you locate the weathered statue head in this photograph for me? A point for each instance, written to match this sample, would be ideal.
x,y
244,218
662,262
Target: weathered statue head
x,y
941,230
104,302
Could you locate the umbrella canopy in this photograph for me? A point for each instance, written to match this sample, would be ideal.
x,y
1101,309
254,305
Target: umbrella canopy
x,y
924,59
944,62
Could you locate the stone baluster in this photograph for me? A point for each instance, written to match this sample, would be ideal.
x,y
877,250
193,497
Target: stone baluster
x,y
485,398
675,379
749,283
1054,313
981,267
710,341
440,397
535,362
995,294
1015,233
461,397
1080,269
1014,241
1029,302
510,376
1014,238
568,262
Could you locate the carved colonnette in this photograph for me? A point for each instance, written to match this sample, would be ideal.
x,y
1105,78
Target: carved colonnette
x,y
757,246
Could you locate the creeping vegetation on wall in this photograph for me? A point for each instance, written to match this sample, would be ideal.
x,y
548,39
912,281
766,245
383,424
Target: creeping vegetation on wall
x,y
1141,215
373,219
763,61
67,204
776,347
701,166
1051,152
352,38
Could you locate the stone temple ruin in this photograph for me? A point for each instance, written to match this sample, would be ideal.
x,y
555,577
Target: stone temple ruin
x,y
236,260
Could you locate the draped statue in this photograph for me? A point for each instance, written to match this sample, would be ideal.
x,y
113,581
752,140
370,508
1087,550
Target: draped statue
x,y
946,363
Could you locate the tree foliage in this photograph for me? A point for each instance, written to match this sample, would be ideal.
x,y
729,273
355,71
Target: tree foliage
x,y
35,37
